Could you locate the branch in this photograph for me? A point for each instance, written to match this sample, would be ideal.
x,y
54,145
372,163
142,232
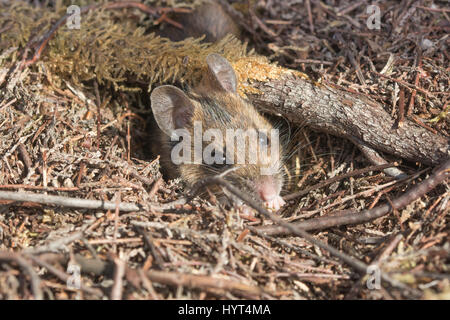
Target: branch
x,y
348,115
68,202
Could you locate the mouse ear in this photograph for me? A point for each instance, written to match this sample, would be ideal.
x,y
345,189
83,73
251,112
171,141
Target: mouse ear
x,y
171,107
222,71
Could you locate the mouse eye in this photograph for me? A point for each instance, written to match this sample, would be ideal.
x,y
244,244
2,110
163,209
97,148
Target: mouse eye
x,y
263,140
219,157
220,161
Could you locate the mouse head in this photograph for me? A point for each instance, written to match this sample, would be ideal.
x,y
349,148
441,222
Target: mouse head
x,y
220,134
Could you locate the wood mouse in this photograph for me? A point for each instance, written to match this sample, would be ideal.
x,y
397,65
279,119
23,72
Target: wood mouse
x,y
215,107
215,104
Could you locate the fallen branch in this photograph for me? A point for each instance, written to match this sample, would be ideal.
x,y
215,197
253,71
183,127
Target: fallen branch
x,y
88,204
348,115
68,202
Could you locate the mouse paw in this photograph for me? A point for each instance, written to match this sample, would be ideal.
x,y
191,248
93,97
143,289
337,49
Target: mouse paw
x,y
275,203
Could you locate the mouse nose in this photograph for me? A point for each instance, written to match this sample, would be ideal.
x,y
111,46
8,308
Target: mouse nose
x,y
267,192
267,188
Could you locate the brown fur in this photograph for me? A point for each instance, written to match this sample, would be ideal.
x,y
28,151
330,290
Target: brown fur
x,y
214,103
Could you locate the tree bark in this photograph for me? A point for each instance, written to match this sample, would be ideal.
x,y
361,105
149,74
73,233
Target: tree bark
x,y
348,115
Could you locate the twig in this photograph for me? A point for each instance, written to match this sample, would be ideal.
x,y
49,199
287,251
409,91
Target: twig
x,y
116,221
408,86
261,24
147,284
373,156
401,107
101,267
350,8
23,263
356,264
310,18
99,116
364,216
416,82
199,281
56,245
68,202
337,178
312,61
290,246
64,276
80,173
433,9
30,187
155,187
119,272
388,249
148,239
25,158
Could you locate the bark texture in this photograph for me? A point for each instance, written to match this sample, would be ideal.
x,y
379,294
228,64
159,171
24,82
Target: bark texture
x,y
348,115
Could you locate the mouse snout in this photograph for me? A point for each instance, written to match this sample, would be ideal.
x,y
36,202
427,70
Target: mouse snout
x,y
268,189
